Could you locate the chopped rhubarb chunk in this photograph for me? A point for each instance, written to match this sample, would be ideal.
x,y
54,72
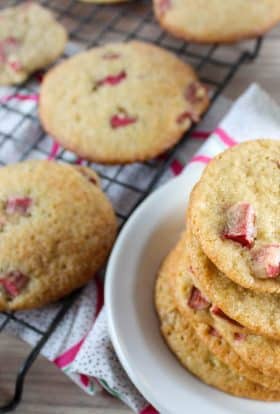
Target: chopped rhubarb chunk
x,y
15,65
13,283
240,224
215,310
266,261
111,56
88,176
20,205
7,46
213,332
111,80
239,336
163,6
195,92
11,41
192,116
197,301
122,120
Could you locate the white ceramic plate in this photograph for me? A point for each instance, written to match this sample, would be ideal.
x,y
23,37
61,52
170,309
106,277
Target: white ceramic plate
x,y
143,243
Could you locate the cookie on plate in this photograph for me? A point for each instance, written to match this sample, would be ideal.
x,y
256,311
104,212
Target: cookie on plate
x,y
234,213
258,351
122,102
259,312
193,353
57,228
248,345
217,21
30,39
211,328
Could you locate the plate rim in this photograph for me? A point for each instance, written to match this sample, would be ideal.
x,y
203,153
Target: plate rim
x,y
119,349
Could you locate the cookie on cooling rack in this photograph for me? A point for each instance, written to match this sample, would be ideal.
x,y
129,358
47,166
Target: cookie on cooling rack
x,y
57,228
30,39
217,21
192,352
121,103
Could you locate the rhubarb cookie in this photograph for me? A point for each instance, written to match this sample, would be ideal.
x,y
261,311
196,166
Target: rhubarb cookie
x,y
217,21
30,39
57,228
226,338
259,312
193,353
234,213
121,103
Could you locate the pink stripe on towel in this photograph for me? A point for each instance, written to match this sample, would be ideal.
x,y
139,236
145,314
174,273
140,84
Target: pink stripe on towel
x,y
201,134
20,97
201,158
149,410
176,167
54,151
67,357
230,142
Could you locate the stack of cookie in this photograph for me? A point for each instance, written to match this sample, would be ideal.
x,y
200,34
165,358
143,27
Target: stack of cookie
x,y
218,291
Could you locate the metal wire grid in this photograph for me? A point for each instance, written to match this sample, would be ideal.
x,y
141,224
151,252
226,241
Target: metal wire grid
x,y
90,25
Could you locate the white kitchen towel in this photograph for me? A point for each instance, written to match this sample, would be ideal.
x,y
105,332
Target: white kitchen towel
x,y
81,346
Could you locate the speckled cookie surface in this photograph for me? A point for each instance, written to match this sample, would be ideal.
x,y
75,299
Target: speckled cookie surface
x,y
217,21
245,175
30,39
57,228
257,351
121,103
258,312
223,337
193,353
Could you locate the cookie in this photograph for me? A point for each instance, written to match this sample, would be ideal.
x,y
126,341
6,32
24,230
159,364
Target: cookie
x,y
222,336
89,174
103,1
57,228
30,39
194,354
217,21
260,313
257,351
234,211
121,103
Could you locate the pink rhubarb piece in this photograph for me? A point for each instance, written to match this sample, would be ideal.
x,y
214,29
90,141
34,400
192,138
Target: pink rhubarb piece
x,y
122,120
240,224
13,282
197,301
20,205
266,261
215,310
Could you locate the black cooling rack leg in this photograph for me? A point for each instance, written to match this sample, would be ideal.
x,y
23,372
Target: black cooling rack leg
x,y
11,405
255,52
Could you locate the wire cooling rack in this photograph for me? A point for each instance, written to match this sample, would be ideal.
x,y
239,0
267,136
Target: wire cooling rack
x,y
90,25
